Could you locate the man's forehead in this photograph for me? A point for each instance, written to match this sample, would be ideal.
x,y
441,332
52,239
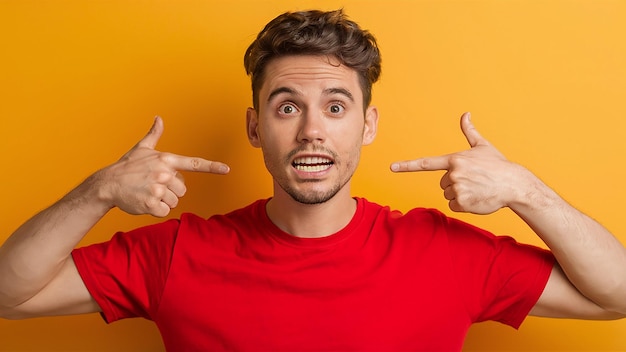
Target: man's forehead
x,y
300,73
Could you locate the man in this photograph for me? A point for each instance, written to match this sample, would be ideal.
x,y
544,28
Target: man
x,y
312,267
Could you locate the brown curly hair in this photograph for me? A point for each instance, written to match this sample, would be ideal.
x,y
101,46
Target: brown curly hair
x,y
315,33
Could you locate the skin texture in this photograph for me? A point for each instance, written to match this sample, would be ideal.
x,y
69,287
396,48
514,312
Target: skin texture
x,y
311,107
311,111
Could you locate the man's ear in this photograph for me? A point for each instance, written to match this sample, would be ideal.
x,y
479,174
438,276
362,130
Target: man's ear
x,y
371,125
252,124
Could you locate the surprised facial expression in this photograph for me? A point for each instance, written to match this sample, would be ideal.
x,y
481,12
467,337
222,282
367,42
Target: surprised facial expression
x,y
311,125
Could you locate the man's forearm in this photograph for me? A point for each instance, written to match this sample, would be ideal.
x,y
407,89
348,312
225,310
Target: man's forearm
x,y
591,257
35,252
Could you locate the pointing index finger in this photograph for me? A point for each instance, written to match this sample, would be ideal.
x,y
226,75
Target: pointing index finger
x,y
422,164
195,164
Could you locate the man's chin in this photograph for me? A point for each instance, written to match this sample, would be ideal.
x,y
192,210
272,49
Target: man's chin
x,y
312,198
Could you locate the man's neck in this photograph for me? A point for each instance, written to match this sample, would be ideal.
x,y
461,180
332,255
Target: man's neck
x,y
311,220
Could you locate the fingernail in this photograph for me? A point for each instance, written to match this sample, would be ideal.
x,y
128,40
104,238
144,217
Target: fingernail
x,y
395,167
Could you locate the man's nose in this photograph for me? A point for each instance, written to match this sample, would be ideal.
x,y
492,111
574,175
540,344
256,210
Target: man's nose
x,y
312,127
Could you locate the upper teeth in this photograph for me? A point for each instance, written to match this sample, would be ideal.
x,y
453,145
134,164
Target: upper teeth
x,y
312,164
313,160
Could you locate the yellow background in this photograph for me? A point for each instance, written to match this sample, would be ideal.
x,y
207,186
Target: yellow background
x,y
80,82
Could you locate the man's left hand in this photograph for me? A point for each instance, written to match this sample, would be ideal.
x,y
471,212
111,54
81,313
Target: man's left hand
x,y
479,180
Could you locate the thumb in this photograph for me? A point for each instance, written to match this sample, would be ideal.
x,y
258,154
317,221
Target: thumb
x,y
471,134
152,138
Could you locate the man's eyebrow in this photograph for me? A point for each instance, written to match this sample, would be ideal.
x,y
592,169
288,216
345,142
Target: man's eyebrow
x,y
327,91
281,90
341,91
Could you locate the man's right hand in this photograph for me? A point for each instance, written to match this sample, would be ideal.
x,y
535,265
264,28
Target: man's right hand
x,y
146,181
38,276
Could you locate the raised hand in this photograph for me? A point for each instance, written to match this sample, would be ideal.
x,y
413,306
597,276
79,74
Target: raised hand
x,y
479,180
146,181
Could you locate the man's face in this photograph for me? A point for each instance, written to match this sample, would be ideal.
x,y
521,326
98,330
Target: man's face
x,y
311,125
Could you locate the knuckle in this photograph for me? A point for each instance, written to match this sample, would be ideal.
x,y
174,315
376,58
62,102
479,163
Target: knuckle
x,y
463,199
424,164
165,158
163,177
161,211
455,177
195,164
157,191
456,159
152,203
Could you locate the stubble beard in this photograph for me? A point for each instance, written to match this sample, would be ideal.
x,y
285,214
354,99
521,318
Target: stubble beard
x,y
312,197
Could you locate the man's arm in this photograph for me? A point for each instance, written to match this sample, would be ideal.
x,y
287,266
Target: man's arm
x,y
37,274
589,281
592,262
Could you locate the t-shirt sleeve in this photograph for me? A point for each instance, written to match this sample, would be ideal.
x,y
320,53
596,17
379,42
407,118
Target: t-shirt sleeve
x,y
500,279
126,274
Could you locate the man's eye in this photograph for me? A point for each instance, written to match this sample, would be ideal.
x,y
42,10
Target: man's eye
x,y
336,108
287,109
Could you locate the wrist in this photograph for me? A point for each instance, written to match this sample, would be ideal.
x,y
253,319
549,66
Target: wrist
x,y
92,194
531,194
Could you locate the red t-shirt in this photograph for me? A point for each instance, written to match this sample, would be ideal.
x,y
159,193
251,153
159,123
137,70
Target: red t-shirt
x,y
387,281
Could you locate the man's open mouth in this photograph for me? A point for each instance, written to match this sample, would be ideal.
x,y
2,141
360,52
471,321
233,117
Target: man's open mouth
x,y
312,164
